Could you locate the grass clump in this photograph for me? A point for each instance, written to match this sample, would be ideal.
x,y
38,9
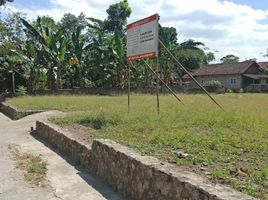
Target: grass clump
x,y
36,165
33,167
230,147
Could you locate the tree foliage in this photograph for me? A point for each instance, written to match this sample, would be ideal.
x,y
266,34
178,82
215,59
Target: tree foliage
x,y
117,16
230,59
86,52
3,2
69,23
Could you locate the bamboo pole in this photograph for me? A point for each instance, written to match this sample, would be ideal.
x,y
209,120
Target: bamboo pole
x,y
189,74
128,94
157,87
172,92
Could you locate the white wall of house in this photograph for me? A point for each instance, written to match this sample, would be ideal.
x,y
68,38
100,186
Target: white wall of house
x,y
228,81
263,81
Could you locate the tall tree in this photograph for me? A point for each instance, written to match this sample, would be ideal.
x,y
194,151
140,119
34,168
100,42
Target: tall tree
x,y
191,44
46,21
52,46
15,27
79,46
3,2
116,23
168,36
192,55
69,23
230,58
11,37
117,16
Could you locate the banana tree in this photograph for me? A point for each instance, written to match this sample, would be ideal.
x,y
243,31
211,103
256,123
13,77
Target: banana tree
x,y
77,60
119,52
53,47
99,58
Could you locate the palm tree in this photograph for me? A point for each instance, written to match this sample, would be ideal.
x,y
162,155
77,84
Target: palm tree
x,y
191,44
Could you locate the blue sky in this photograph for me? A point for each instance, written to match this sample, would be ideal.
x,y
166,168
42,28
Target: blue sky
x,y
256,4
20,4
237,27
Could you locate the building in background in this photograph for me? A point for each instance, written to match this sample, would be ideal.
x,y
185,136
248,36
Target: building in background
x,y
248,75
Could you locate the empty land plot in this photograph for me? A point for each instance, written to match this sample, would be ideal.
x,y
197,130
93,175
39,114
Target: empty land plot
x,y
230,147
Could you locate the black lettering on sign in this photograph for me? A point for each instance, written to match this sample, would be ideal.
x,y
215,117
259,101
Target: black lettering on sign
x,y
146,40
146,32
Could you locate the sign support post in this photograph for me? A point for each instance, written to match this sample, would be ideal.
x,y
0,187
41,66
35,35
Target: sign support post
x,y
128,93
142,42
189,74
163,82
157,86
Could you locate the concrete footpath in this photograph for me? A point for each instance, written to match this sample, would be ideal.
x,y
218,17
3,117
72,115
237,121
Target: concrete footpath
x,y
65,180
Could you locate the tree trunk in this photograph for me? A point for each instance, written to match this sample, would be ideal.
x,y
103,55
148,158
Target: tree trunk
x,y
59,82
31,82
51,79
13,82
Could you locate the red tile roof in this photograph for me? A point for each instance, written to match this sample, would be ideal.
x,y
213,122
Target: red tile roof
x,y
223,68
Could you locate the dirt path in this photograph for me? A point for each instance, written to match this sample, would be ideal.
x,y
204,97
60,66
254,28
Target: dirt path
x,y
65,181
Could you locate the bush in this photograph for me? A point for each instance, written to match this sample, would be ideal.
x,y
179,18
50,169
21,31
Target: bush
x,y
213,85
229,91
241,90
89,84
21,90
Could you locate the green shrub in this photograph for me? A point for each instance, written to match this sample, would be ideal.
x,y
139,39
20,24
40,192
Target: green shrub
x,y
212,85
229,91
21,90
89,84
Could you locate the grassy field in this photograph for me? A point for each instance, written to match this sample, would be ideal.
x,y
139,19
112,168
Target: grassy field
x,y
230,147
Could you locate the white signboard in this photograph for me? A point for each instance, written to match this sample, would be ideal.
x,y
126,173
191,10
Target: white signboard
x,y
142,38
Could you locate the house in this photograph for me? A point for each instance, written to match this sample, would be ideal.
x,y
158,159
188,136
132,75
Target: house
x,y
232,75
263,65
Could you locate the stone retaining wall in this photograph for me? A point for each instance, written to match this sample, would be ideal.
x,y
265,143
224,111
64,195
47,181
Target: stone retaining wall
x,y
15,113
78,151
136,177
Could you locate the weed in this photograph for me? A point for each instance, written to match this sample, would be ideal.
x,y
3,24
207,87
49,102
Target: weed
x,y
33,167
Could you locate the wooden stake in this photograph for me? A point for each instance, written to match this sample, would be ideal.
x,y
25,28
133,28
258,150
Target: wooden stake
x,y
128,95
157,86
172,92
189,74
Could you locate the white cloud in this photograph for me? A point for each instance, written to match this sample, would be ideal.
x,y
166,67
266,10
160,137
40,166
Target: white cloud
x,y
221,25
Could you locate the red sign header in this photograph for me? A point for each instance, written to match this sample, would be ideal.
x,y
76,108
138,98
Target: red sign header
x,y
143,21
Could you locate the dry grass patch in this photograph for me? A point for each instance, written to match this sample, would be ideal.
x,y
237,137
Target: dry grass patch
x,y
33,167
